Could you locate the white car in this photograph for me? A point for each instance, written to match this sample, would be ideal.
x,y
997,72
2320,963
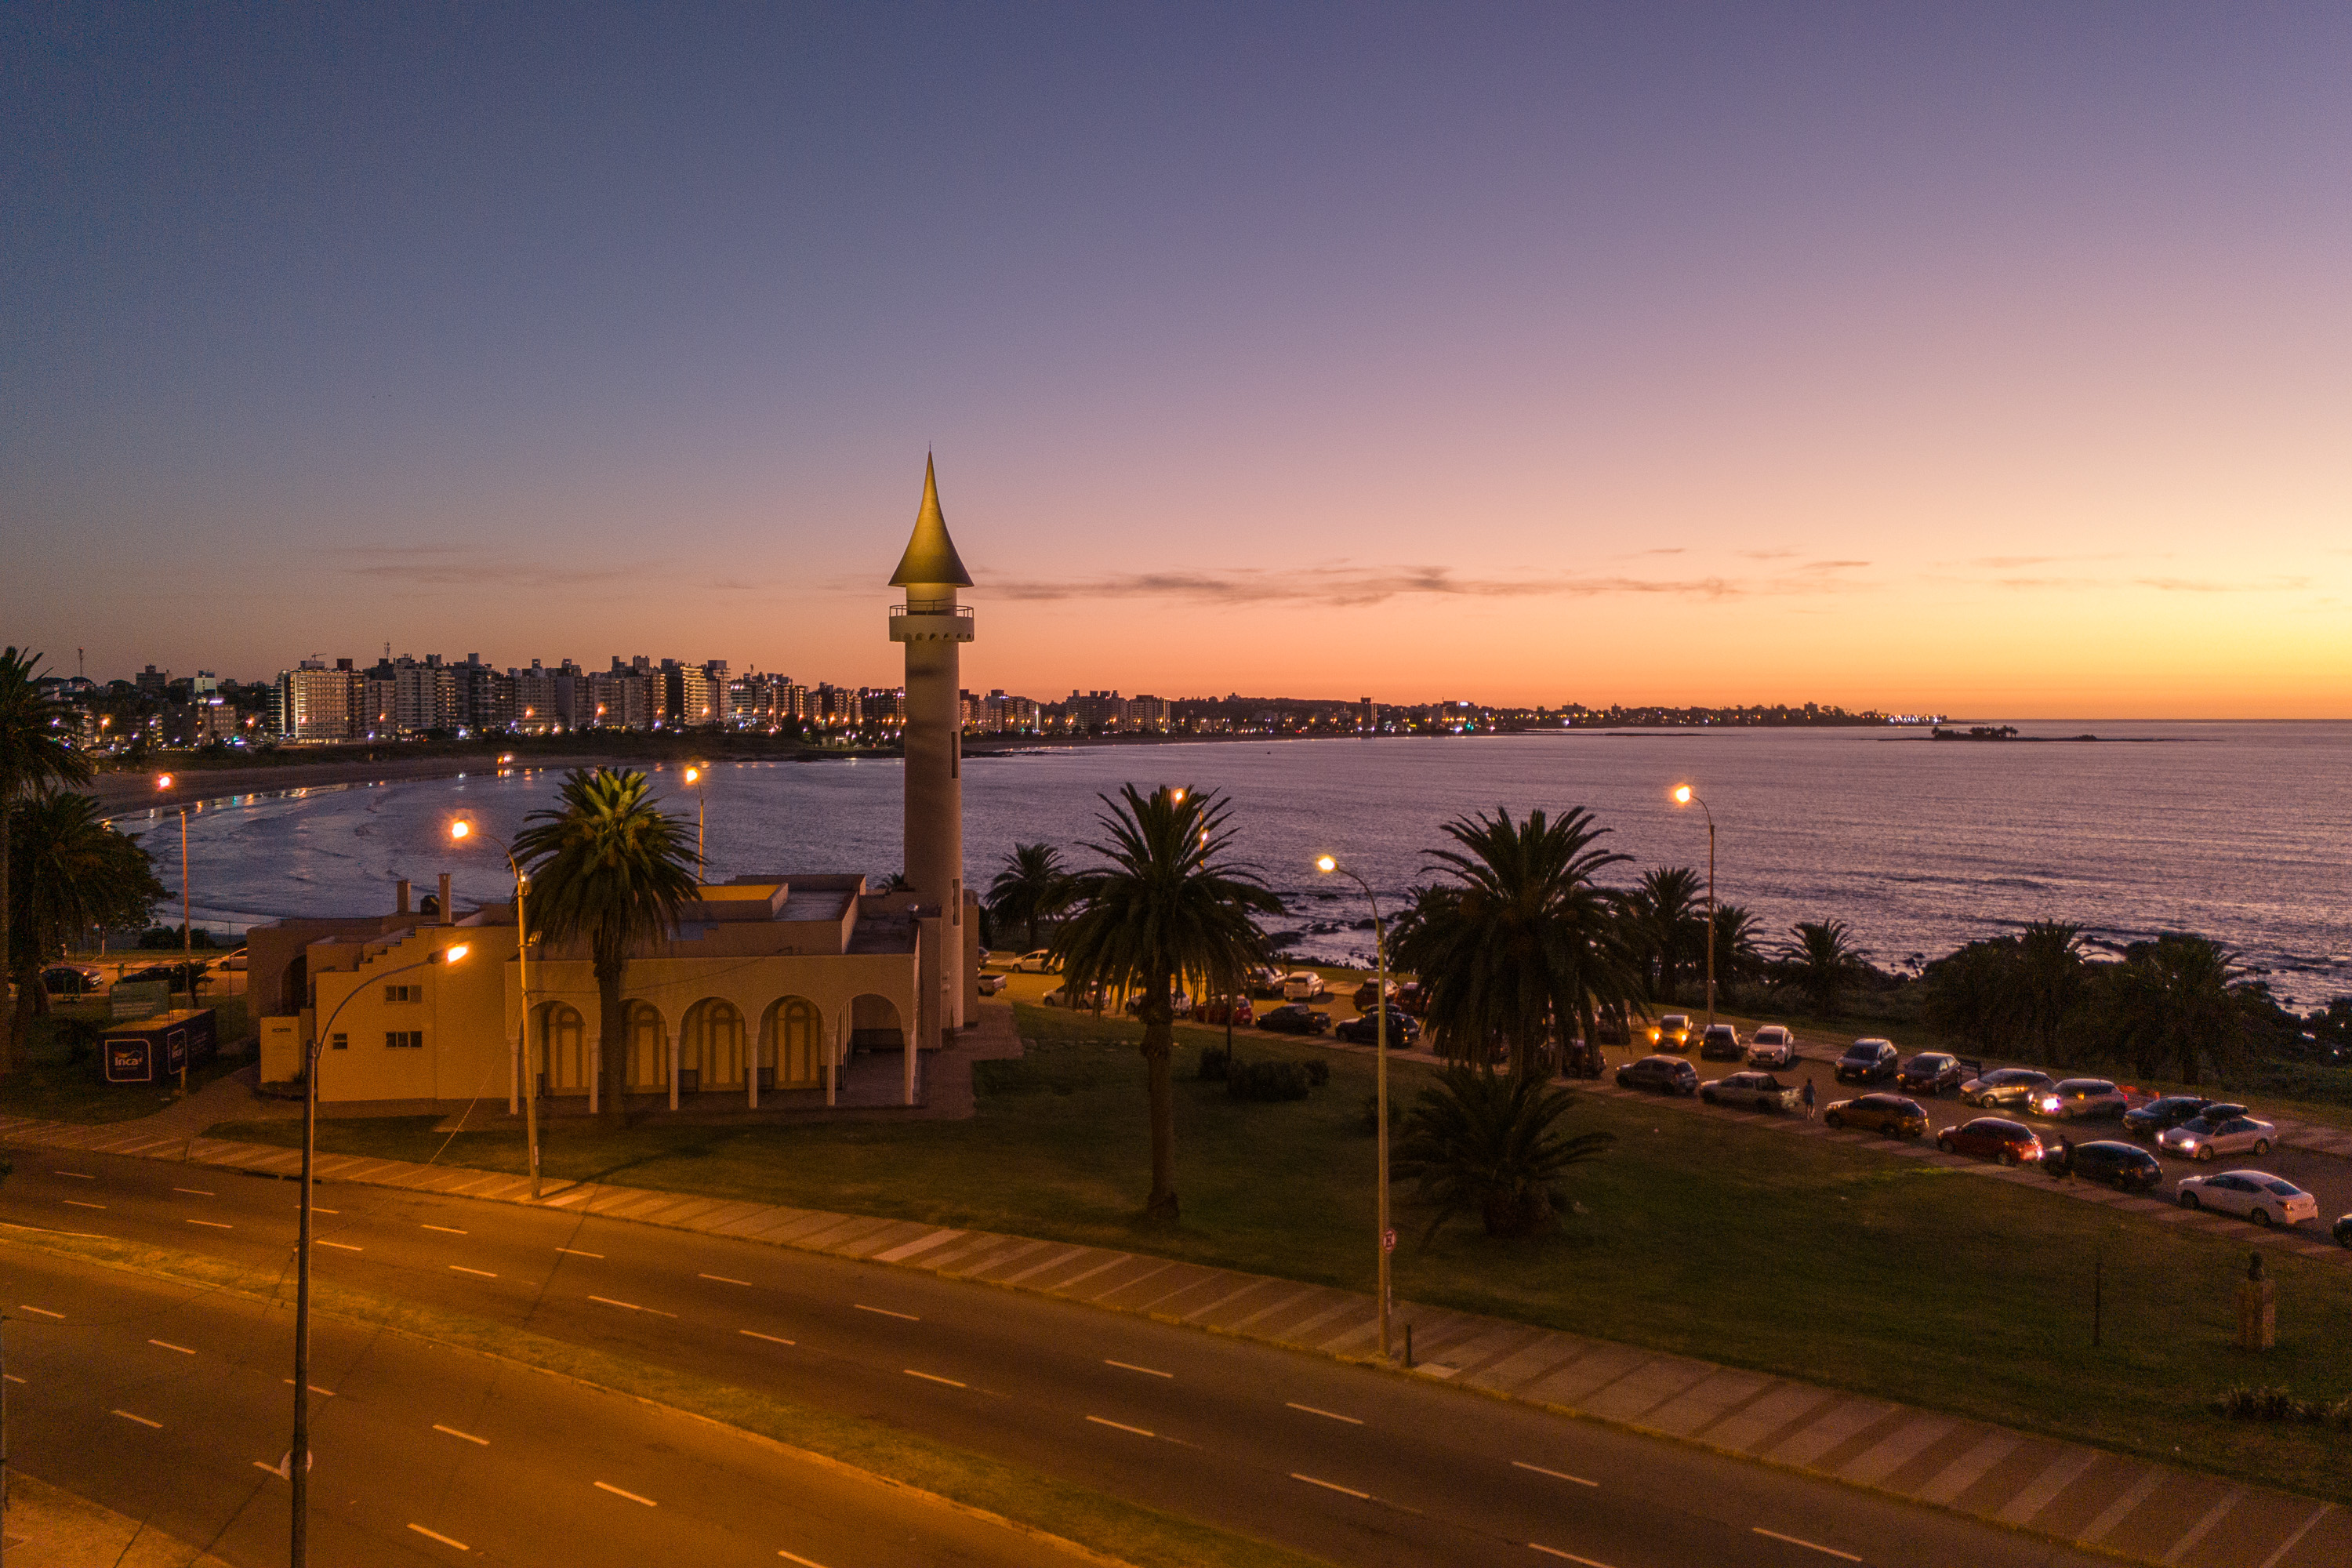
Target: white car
x,y
1302,985
2221,1130
1038,962
990,985
1773,1047
2259,1197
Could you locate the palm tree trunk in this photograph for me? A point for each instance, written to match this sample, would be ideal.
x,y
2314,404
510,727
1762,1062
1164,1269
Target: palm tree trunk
x,y
8,1029
612,1050
1159,1047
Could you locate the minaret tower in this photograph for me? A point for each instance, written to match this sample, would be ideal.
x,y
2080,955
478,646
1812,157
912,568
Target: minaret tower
x,y
935,627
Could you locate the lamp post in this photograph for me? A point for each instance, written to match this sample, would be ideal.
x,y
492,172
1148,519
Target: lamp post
x,y
297,1458
695,776
1327,865
187,933
527,1074
1686,796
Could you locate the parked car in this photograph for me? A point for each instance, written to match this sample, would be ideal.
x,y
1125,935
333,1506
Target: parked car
x,y
1294,1018
2083,1099
1760,1090
2343,1230
1611,1026
1092,999
989,983
2126,1166
1403,1028
1411,997
1038,962
1889,1113
71,980
1667,1074
1992,1138
2259,1197
1772,1046
171,974
1265,980
1214,1010
1672,1032
1932,1072
1303,985
2006,1086
1370,992
1181,1005
1867,1061
2159,1116
235,962
1721,1043
2217,1129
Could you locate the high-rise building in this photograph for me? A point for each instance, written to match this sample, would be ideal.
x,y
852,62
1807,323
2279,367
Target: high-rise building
x,y
315,703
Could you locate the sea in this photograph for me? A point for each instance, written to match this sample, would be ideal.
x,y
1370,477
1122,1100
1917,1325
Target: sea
x,y
2242,832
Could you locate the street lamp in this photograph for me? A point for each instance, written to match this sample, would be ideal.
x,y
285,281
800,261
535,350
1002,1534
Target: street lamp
x,y
527,1071
1327,865
695,776
187,934
1686,796
297,1458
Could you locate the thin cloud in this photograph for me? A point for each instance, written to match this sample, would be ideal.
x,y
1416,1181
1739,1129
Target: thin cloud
x,y
458,566
1357,587
1766,554
2210,585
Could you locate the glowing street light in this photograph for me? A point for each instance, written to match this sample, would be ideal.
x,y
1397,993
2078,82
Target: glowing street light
x,y
695,774
525,1070
1386,1237
1686,796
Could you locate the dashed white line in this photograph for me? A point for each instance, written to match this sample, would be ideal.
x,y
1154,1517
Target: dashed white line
x,y
436,1535
446,1229
77,1175
314,1388
1555,1475
461,1268
933,1378
338,1245
79,1205
1328,1414
772,1339
609,1487
803,1561
631,1307
1130,1366
1808,1545
1564,1556
1332,1486
577,1253
468,1436
316,1209
168,1345
198,1192
11,1376
44,1311
212,1224
1121,1425
722,1279
886,1312
140,1419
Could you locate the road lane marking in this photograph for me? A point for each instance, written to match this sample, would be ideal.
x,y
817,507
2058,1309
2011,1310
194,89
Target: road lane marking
x,y
170,1346
140,1419
314,1388
436,1535
28,1307
577,1253
461,1268
446,1229
468,1436
316,1209
196,1192
886,1312
1808,1545
79,1205
1328,1414
631,1307
212,1224
803,1561
77,1175
1121,1425
338,1245
722,1279
1332,1486
607,1486
930,1377
266,1465
772,1339
1563,1556
1130,1366
11,1376
1555,1475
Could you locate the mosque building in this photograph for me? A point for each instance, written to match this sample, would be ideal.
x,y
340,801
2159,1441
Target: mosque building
x,y
775,985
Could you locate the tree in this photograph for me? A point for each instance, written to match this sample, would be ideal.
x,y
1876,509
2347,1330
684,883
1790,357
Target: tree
x,y
1668,923
1736,954
1822,963
1168,905
2173,1006
610,869
1479,1141
69,871
36,751
1032,887
1523,941
2021,994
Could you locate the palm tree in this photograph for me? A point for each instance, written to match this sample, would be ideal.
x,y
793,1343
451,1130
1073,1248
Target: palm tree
x,y
70,871
610,869
1822,963
1167,906
1032,887
2049,980
1736,954
1667,925
1479,1141
2174,1006
36,750
1523,941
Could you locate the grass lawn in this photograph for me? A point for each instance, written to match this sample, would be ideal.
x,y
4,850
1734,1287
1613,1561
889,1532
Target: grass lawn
x,y
1824,1262
53,1083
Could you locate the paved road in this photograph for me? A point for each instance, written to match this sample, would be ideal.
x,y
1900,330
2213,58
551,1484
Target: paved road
x,y
1351,1465
170,1403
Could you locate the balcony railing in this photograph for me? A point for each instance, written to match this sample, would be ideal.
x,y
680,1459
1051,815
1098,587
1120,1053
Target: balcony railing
x,y
932,607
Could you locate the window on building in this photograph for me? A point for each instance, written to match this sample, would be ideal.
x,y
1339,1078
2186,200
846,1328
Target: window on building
x,y
404,993
339,1042
404,1039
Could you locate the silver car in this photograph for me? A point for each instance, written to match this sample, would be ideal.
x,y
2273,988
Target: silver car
x,y
2257,1194
2007,1085
2082,1098
2222,1130
1760,1090
1773,1047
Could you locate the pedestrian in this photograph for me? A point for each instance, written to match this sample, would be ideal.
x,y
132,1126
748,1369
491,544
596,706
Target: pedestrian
x,y
1809,1098
2065,1170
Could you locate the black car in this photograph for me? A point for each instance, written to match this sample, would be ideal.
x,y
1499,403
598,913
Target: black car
x,y
1932,1072
1665,1074
71,980
2343,1230
2159,1116
1294,1018
1403,1028
1867,1061
2130,1168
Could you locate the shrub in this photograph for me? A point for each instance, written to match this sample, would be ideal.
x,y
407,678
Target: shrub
x,y
1266,1080
1214,1061
1318,1072
1371,1122
2243,1404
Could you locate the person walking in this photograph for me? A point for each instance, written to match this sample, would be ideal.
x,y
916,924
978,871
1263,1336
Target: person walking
x,y
2066,1167
1809,1098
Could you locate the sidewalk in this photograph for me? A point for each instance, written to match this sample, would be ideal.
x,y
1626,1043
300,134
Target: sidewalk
x,y
48,1527
2066,1491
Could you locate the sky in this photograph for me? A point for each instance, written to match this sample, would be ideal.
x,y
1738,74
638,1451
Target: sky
x,y
1982,359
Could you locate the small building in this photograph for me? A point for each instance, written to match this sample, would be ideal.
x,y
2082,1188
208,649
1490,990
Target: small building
x,y
156,1048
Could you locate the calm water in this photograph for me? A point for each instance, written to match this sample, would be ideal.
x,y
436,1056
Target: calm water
x,y
2240,831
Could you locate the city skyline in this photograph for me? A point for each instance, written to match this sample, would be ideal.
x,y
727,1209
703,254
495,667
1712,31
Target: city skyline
x,y
1986,361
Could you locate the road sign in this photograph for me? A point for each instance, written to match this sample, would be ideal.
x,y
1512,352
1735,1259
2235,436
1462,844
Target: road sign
x,y
1388,1241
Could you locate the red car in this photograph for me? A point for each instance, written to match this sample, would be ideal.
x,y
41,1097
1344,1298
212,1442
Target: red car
x,y
1992,1138
1214,1011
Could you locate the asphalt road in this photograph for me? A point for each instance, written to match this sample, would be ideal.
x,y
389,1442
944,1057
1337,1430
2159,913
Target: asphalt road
x,y
1352,1465
169,1404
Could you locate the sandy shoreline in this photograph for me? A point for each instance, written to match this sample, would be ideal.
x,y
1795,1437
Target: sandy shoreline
x,y
121,792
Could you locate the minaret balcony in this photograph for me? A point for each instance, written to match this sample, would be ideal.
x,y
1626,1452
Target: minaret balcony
x,y
931,620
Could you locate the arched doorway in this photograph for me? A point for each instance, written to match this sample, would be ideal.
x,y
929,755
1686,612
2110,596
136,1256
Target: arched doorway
x,y
711,1044
648,1050
562,1042
793,1044
875,1025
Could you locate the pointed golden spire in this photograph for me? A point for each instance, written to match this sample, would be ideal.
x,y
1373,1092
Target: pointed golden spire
x,y
930,555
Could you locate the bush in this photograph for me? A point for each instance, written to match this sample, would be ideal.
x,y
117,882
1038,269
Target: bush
x,y
1267,1080
1371,1122
1318,1072
2242,1403
1214,1060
